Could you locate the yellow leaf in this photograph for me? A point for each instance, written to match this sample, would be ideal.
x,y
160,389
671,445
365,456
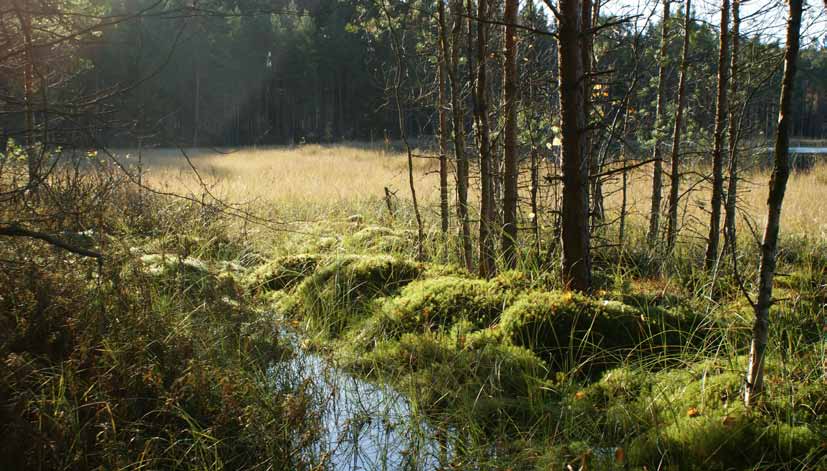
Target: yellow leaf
x,y
693,412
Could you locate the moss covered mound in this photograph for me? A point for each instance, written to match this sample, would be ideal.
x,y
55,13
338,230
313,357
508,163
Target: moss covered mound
x,y
693,418
383,239
194,278
441,301
734,440
216,246
283,272
574,332
336,294
440,371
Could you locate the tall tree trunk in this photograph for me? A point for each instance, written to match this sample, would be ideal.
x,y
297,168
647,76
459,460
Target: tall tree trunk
x,y
509,236
487,214
442,71
458,117
598,210
576,261
718,151
624,188
25,19
586,52
535,211
397,85
732,187
660,118
778,184
675,172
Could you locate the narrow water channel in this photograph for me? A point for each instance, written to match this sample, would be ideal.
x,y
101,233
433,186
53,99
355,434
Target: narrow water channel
x,y
364,426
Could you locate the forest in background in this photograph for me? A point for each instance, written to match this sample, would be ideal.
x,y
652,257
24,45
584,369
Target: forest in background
x,y
472,234
250,72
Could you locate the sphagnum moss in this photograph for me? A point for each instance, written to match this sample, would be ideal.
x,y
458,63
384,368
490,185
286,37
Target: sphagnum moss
x,y
339,293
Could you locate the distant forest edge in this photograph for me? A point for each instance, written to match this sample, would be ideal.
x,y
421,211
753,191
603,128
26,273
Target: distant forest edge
x,y
248,72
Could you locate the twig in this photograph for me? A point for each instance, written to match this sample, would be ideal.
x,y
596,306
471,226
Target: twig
x,y
14,230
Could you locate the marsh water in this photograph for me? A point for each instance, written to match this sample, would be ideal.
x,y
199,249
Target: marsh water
x,y
364,426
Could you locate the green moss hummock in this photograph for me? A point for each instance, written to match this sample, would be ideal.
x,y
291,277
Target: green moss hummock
x,y
572,331
283,272
338,293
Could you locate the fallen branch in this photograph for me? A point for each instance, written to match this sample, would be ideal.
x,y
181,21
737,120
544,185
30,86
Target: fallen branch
x,y
14,230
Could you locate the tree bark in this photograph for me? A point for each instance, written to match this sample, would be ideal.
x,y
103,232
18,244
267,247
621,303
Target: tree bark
x,y
660,112
591,10
717,152
487,216
25,20
778,184
674,173
458,116
397,85
509,235
442,104
732,187
576,261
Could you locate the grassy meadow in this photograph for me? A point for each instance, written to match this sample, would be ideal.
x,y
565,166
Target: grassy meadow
x,y
315,182
179,350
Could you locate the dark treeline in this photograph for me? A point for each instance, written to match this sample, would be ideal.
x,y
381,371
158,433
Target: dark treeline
x,y
538,115
248,72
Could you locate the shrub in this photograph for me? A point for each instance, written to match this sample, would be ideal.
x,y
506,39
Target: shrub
x,y
194,278
212,246
133,372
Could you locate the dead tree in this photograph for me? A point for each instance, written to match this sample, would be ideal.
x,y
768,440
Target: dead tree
x,y
451,50
718,152
587,21
660,118
778,184
397,86
675,172
487,209
576,260
509,233
732,186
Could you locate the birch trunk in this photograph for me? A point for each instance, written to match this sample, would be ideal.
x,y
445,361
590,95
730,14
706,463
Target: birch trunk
x,y
660,112
674,173
778,184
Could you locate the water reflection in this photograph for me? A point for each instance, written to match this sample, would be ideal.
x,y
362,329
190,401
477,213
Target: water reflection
x,y
365,426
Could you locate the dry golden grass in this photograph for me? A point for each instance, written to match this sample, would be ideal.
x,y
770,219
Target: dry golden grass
x,y
803,214
315,182
297,181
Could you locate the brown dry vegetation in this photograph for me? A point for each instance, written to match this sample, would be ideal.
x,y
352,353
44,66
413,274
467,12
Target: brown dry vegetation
x,y
316,182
